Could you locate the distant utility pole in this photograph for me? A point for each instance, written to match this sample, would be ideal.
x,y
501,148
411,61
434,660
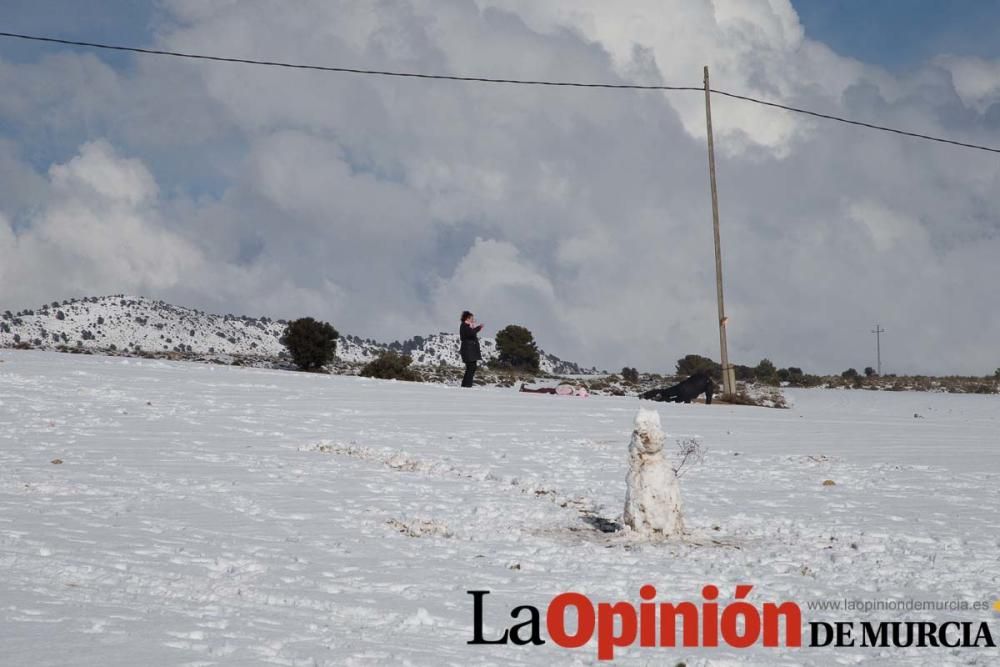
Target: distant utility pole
x,y
878,331
728,374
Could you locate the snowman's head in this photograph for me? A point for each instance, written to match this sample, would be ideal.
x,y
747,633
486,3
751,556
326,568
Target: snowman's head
x,y
647,436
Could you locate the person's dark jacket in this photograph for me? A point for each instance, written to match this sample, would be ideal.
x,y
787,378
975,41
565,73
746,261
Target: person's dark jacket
x,y
469,349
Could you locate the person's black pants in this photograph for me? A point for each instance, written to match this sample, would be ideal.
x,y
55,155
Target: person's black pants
x,y
470,372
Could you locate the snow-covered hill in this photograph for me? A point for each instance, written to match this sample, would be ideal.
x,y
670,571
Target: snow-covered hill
x,y
136,323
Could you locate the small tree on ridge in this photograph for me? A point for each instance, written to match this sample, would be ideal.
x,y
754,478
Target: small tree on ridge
x,y
517,349
312,344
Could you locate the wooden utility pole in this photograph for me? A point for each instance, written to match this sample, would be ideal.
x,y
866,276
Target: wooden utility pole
x,y
728,374
878,331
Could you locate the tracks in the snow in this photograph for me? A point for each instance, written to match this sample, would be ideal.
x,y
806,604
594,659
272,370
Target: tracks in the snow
x,y
403,462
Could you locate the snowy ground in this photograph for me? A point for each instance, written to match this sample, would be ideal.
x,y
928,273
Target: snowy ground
x,y
215,515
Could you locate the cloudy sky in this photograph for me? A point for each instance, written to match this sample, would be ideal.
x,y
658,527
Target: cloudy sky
x,y
388,205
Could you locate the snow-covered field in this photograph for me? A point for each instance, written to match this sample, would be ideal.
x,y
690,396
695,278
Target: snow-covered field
x,y
218,515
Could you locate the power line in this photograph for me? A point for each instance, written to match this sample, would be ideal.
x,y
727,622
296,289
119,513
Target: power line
x,y
479,79
348,70
883,128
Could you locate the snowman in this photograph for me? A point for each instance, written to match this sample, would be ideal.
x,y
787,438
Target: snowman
x,y
653,495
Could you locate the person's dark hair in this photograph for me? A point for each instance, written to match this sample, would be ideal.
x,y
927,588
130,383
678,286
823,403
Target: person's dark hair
x,y
465,315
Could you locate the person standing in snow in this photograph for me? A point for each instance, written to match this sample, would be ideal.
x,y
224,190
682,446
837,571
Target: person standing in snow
x,y
469,350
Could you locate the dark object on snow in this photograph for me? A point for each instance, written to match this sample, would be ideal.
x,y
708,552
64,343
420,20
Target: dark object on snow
x,y
468,349
563,389
541,390
312,344
684,392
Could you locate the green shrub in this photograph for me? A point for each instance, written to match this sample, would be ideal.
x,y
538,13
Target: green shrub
x,y
766,373
311,344
695,363
517,349
391,365
809,380
630,375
